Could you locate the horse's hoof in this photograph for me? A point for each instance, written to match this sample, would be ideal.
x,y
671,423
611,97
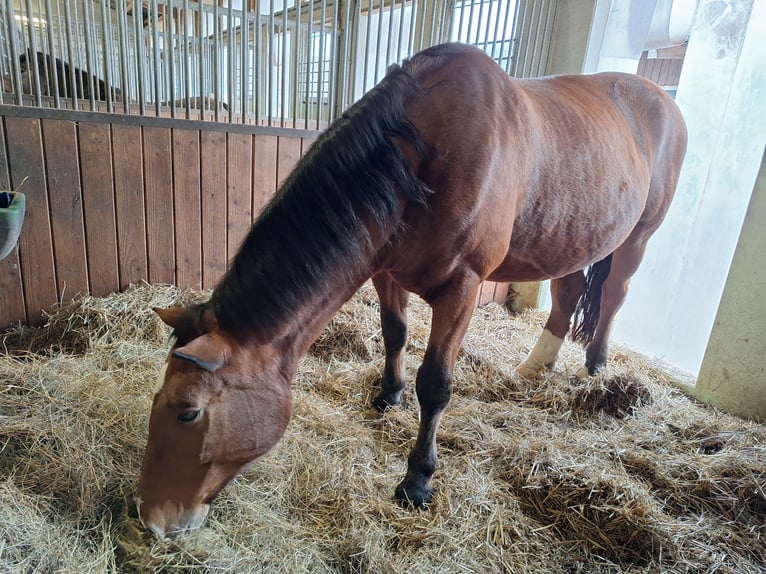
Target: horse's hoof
x,y
386,400
414,493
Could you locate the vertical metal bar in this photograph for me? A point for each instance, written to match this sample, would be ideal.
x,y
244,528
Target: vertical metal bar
x,y
345,68
309,58
460,21
378,36
296,63
216,60
390,35
321,60
529,50
201,45
107,75
332,82
269,59
367,46
89,67
283,96
497,31
488,26
401,31
244,71
258,64
52,53
187,62
15,61
550,20
32,55
138,38
168,27
122,19
446,20
156,57
231,59
413,19
71,89
354,52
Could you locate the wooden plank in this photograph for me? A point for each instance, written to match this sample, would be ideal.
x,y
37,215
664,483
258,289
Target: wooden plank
x,y
159,205
129,205
65,198
288,154
188,220
25,160
11,294
99,207
239,189
264,171
214,252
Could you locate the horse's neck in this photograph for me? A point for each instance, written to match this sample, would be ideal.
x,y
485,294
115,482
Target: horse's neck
x,y
311,319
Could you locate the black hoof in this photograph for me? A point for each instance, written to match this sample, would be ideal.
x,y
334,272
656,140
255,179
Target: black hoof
x,y
415,493
386,400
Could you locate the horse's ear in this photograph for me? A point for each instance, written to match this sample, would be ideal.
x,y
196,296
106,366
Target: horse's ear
x,y
171,316
208,351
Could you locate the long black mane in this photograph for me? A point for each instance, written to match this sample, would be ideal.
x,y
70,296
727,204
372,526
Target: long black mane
x,y
316,226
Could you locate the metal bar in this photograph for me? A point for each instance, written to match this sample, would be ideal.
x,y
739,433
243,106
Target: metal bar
x,y
71,90
511,61
390,35
200,32
138,38
497,31
187,60
52,53
122,24
321,59
270,51
296,63
309,53
168,26
244,71
401,31
15,61
216,61
230,84
488,27
105,46
155,17
332,82
258,63
32,55
378,37
550,21
367,46
283,99
89,76
411,38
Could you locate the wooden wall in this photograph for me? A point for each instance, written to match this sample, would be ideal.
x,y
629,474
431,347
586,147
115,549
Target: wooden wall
x,y
116,200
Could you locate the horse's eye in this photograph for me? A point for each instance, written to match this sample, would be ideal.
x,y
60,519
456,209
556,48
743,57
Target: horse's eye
x,y
188,416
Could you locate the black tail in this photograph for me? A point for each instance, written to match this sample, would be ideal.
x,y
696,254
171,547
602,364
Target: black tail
x,y
589,306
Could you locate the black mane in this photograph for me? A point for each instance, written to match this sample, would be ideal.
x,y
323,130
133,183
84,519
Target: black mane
x,y
314,227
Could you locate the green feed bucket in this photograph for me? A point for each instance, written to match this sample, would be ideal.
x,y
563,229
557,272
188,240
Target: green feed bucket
x,y
12,205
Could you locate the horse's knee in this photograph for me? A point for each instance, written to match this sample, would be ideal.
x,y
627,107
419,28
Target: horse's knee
x,y
433,385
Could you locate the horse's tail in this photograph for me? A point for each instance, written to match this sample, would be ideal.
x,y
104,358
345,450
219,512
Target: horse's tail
x,y
589,306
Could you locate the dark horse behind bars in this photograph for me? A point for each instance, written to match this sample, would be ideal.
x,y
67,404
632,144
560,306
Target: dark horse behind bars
x,y
447,173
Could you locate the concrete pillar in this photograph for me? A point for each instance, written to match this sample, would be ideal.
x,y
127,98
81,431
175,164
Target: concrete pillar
x,y
733,372
570,36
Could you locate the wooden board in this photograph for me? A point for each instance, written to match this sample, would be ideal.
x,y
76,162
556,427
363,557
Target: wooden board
x,y
288,154
264,171
99,207
188,221
213,202
25,162
239,163
129,205
65,197
159,205
11,296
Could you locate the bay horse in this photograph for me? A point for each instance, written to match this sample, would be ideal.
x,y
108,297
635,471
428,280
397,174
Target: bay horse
x,y
447,173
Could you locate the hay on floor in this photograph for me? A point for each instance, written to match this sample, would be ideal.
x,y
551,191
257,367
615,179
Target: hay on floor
x,y
622,473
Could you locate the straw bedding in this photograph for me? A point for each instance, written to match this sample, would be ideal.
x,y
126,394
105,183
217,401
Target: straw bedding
x,y
622,473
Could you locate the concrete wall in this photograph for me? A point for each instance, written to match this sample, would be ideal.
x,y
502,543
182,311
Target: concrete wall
x,y
733,372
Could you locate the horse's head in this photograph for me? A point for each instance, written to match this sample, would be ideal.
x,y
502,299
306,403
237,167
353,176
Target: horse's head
x,y
221,404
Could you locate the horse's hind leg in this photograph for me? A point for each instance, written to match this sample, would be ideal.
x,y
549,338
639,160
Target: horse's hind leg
x,y
393,322
625,261
565,292
452,310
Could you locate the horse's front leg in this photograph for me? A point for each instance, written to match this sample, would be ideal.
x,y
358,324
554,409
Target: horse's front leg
x,y
452,311
393,323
